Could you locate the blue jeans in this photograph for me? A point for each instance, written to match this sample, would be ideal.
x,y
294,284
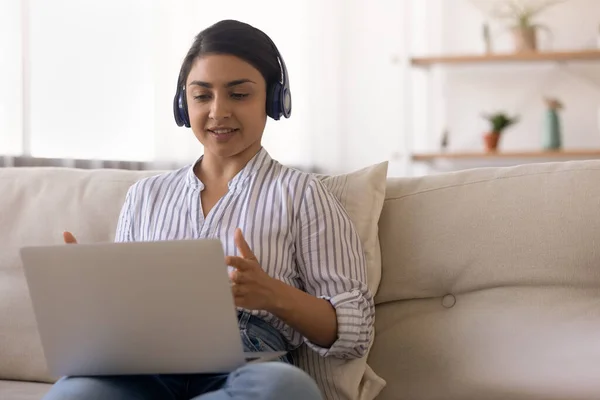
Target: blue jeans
x,y
268,380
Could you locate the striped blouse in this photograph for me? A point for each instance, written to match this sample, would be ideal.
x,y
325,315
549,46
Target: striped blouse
x,y
297,229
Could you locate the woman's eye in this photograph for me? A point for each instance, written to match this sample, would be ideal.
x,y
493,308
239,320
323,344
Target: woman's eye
x,y
239,96
202,97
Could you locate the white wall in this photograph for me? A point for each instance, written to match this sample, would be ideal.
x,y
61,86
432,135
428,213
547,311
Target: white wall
x,y
369,82
324,116
372,80
383,110
519,89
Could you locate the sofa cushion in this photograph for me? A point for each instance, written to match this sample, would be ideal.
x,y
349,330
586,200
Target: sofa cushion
x,y
36,205
491,284
361,193
13,390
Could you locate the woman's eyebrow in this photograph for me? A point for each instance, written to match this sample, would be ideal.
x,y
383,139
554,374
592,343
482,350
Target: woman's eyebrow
x,y
228,85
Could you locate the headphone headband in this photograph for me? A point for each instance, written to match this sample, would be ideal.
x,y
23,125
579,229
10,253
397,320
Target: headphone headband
x,y
279,96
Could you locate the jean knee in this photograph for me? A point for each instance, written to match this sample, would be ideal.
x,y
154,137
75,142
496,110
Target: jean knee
x,y
289,380
72,388
107,388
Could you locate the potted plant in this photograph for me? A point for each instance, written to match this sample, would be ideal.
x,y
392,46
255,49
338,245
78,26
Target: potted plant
x,y
499,122
521,16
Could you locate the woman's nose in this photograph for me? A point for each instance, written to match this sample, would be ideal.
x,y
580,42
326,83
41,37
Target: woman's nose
x,y
220,108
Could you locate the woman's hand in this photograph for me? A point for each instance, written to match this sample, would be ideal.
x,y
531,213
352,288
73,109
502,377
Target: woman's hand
x,y
252,287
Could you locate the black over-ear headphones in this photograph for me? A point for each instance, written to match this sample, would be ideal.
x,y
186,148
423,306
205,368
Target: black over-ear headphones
x,y
279,97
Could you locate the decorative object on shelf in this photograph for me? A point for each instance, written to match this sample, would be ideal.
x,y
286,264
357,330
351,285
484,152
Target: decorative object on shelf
x,y
445,140
525,39
487,38
552,126
499,121
521,15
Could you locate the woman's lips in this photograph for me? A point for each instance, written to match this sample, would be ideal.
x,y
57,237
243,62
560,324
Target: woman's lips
x,y
223,134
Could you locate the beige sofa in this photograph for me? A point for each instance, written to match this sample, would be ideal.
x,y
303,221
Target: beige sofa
x,y
490,284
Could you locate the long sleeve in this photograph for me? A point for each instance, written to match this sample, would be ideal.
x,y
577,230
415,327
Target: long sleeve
x,y
124,231
332,265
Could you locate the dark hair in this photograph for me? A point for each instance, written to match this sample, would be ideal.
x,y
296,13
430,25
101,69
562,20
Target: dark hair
x,y
238,39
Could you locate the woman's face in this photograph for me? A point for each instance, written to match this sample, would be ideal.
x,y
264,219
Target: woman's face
x,y
226,99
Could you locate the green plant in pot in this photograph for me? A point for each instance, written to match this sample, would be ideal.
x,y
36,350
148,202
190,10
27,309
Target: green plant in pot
x,y
520,15
499,122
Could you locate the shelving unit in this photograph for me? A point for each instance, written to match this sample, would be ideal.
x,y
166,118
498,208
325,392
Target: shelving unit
x,y
530,57
530,155
455,161
481,159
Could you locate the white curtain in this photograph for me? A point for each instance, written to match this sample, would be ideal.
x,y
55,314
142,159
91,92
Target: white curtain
x,y
94,80
11,82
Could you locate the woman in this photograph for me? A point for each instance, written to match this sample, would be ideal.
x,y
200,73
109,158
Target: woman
x,y
296,263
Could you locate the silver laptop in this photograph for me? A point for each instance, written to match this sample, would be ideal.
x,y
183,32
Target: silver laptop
x,y
135,308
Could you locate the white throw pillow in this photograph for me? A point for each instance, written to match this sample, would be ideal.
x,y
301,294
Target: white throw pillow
x,y
361,193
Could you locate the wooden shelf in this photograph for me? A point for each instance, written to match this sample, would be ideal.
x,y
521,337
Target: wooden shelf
x,y
557,56
559,155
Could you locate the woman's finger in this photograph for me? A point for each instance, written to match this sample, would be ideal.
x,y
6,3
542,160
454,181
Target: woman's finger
x,y
238,291
239,277
242,245
239,263
234,276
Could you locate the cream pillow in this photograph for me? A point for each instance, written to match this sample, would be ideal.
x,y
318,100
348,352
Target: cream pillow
x,y
361,193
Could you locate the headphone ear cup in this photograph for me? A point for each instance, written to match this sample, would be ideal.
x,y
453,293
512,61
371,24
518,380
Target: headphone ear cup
x,y
176,112
180,109
286,102
274,101
184,109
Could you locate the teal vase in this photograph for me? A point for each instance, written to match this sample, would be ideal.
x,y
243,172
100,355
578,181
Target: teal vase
x,y
552,131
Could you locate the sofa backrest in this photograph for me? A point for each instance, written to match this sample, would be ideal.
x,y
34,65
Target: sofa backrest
x,y
490,284
489,289
36,206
